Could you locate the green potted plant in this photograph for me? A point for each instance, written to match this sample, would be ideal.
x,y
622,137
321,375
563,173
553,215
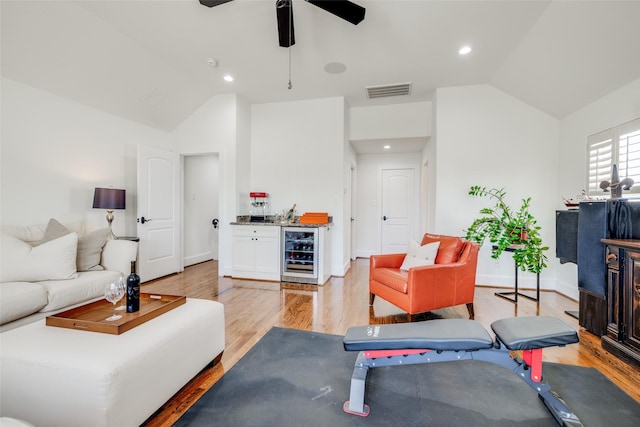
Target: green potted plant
x,y
506,228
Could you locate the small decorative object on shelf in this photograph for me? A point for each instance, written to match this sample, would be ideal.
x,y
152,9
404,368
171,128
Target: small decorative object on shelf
x,y
574,202
133,290
616,185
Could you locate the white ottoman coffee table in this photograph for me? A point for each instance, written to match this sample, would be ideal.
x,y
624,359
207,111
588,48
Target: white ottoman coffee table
x,y
53,376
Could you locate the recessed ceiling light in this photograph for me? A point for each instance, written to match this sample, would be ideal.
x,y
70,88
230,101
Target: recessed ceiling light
x,y
464,50
387,147
228,78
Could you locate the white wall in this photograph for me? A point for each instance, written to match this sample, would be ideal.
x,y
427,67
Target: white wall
x,y
350,162
486,137
369,199
55,151
220,126
297,156
390,121
201,198
613,109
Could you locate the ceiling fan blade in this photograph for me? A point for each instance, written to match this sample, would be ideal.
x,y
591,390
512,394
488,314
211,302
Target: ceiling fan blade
x,y
284,14
212,3
342,8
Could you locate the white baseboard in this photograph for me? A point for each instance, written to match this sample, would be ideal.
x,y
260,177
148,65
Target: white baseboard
x,y
365,254
196,259
568,289
525,281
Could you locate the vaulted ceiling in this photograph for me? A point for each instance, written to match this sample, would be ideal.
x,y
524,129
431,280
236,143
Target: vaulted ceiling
x,y
148,61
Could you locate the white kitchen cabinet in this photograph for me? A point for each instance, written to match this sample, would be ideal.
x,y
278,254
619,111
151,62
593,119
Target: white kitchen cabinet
x,y
256,252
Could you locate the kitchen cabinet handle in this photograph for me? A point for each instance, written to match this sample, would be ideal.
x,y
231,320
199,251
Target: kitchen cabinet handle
x,y
611,257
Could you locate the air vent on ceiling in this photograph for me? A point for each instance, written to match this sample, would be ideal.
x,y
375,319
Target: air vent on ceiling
x,y
383,91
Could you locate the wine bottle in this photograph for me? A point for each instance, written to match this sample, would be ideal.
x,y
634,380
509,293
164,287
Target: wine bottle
x,y
133,290
291,213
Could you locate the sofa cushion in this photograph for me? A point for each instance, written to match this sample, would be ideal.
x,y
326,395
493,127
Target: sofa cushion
x,y
89,245
418,256
88,285
20,299
90,250
449,250
392,277
54,231
54,260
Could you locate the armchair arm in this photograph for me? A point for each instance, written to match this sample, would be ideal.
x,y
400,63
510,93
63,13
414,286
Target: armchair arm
x,y
386,261
431,275
440,285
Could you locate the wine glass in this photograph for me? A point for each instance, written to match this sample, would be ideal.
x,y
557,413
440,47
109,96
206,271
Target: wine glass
x,y
122,284
113,294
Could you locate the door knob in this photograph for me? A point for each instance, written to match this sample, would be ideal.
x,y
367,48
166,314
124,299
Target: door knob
x,y
215,222
384,218
142,220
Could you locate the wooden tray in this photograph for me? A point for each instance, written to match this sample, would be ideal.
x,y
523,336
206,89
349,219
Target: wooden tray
x,y
91,317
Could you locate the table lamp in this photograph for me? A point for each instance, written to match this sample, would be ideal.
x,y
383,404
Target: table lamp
x,y
109,199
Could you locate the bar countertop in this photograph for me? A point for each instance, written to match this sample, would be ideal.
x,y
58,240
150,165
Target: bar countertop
x,y
281,224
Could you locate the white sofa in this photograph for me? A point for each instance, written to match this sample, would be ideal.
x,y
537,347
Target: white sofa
x,y
49,269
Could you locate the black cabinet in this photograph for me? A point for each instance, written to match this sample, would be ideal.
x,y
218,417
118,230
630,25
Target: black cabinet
x,y
597,220
622,336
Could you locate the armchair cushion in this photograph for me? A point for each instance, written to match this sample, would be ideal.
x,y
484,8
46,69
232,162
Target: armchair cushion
x,y
391,277
418,255
449,250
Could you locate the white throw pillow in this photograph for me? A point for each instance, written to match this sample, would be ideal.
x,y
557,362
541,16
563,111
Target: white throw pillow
x,y
418,256
90,250
54,260
89,245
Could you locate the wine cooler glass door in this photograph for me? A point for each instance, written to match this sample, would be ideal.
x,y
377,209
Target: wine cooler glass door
x,y
300,255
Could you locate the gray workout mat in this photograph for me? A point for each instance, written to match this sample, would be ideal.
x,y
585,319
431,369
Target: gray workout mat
x,y
296,378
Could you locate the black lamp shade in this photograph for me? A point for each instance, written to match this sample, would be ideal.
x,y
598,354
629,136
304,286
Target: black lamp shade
x,y
109,198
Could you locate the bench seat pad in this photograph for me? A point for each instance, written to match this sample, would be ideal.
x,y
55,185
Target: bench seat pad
x,y
529,333
439,334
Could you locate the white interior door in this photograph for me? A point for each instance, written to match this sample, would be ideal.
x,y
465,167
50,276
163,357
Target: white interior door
x,y
158,213
398,209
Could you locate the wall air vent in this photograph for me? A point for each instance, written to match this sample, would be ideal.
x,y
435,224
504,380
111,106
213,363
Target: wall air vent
x,y
383,91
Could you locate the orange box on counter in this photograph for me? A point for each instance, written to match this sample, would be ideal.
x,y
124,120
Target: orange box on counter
x,y
314,218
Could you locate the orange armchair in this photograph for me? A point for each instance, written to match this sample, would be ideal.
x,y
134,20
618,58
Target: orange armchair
x,y
450,281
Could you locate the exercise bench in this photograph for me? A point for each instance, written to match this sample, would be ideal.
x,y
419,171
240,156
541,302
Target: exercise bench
x,y
446,340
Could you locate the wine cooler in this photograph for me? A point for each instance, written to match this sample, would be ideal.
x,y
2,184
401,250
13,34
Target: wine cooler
x,y
300,254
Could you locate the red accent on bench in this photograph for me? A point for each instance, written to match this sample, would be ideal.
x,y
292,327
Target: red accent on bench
x,y
533,358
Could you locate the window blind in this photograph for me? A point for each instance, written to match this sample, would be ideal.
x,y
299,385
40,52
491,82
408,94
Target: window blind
x,y
619,145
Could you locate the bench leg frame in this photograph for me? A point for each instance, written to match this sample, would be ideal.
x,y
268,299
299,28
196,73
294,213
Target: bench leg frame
x,y
499,356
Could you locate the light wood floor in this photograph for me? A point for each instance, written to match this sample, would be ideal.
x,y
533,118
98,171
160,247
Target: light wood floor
x,y
253,307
